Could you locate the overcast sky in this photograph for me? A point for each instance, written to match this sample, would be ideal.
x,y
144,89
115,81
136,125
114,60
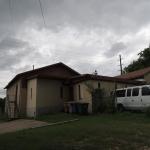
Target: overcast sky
x,y
84,34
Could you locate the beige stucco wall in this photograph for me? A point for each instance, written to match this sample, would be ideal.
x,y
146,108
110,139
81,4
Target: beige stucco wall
x,y
31,97
85,94
86,89
147,78
48,96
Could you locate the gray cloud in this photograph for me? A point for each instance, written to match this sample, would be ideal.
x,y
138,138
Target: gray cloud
x,y
86,35
12,52
114,15
2,93
115,49
9,43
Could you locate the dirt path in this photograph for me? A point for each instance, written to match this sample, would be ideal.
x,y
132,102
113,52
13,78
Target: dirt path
x,y
20,124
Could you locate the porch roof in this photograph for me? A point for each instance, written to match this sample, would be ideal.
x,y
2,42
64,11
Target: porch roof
x,y
85,77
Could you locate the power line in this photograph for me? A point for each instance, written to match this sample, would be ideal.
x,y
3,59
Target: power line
x,y
10,10
42,12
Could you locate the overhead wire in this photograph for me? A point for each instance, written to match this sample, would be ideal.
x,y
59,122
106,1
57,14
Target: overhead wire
x,y
42,12
10,10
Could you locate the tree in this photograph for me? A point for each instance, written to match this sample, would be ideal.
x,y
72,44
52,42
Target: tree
x,y
142,62
2,104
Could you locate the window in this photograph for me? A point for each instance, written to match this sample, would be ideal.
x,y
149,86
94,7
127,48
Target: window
x,y
135,92
61,92
128,92
79,92
120,93
99,85
16,92
145,91
31,93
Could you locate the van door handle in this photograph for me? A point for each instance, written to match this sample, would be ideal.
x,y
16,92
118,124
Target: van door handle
x,y
132,100
141,100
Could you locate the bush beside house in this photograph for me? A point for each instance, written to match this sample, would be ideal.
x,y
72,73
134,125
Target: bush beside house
x,y
102,103
2,105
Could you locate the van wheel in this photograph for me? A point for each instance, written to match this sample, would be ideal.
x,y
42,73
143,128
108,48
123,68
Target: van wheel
x,y
120,108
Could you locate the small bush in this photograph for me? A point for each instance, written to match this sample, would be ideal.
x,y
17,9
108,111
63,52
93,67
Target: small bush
x,y
102,103
2,105
110,105
147,111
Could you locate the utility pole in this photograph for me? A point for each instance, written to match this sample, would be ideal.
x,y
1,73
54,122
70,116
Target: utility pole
x,y
120,59
33,67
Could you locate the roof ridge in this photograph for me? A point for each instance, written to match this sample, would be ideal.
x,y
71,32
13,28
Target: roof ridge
x,y
136,73
39,69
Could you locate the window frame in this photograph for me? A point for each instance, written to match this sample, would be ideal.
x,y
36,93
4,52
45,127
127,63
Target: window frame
x,y
133,91
79,90
61,92
121,94
130,92
142,91
99,85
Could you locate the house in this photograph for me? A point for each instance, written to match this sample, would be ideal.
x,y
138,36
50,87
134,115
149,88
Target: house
x,y
44,90
139,75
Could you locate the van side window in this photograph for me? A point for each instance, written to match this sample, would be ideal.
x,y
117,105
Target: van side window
x,y
128,92
145,91
135,92
120,93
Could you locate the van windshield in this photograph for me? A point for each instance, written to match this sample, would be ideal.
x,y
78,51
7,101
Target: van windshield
x,y
145,91
120,93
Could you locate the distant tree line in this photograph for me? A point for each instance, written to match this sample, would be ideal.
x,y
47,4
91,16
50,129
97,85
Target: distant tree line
x,y
142,62
2,104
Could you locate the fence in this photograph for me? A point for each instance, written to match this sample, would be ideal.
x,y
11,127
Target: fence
x,y
11,107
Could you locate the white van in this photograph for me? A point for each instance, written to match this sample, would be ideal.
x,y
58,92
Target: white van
x,y
133,98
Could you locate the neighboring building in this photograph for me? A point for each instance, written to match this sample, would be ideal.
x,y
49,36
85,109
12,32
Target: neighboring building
x,y
139,75
45,90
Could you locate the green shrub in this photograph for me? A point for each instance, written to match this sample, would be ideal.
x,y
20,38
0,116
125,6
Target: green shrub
x,y
2,105
102,103
147,111
110,105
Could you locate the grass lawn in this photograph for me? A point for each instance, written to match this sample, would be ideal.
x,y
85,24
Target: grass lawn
x,y
58,117
125,131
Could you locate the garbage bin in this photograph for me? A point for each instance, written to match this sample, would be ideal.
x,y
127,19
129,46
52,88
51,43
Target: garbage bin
x,y
79,105
83,108
74,107
66,108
